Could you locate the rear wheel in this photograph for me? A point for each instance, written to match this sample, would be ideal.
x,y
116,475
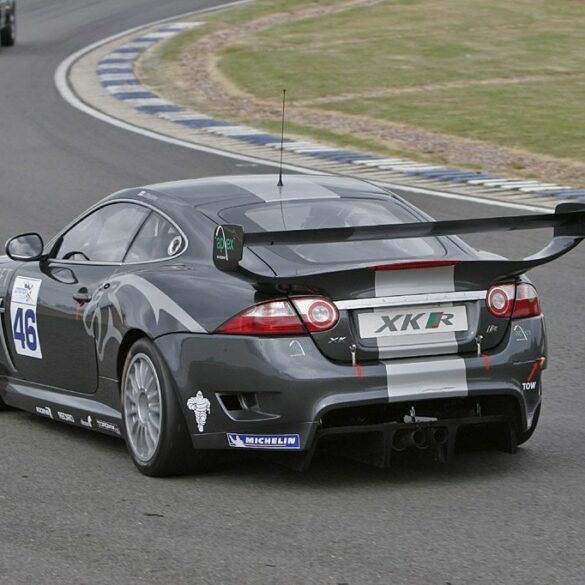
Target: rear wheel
x,y
8,33
154,426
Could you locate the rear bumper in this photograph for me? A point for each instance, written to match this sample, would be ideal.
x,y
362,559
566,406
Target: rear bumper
x,y
282,394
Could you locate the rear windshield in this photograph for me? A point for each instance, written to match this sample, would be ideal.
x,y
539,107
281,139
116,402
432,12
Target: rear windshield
x,y
331,213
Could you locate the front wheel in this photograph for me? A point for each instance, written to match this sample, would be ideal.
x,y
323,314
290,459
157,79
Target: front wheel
x,y
154,426
8,33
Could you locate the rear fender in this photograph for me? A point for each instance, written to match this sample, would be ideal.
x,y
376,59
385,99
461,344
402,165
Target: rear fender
x,y
171,300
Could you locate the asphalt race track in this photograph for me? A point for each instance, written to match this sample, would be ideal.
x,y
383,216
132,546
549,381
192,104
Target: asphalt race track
x,y
74,510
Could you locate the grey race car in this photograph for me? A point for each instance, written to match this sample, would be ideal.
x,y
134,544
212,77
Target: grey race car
x,y
7,23
231,313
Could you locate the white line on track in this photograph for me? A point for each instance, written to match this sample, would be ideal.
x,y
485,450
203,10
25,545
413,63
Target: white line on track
x,y
61,79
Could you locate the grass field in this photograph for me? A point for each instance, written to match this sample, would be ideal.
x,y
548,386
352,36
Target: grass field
x,y
502,73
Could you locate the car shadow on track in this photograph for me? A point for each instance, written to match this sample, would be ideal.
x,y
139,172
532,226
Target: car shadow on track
x,y
410,468
327,470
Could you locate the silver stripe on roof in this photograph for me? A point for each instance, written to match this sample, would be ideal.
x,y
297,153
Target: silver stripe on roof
x,y
294,188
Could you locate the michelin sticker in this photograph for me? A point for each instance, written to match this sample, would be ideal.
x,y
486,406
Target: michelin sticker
x,y
23,315
264,441
201,407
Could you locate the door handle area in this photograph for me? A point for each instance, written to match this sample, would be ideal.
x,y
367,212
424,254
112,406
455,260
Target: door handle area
x,y
82,296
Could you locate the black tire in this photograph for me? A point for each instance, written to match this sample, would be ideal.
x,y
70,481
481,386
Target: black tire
x,y
525,436
8,33
174,453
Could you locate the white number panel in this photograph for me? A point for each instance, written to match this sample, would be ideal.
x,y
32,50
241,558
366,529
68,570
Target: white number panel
x,y
23,316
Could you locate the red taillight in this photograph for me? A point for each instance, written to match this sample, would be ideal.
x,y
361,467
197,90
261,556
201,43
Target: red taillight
x,y
415,265
317,313
511,300
271,318
527,303
500,299
280,318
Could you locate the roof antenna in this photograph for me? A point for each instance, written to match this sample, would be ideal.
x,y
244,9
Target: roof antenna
x,y
280,183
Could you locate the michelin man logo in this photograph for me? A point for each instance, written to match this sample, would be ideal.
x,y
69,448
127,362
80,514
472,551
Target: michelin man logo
x,y
201,407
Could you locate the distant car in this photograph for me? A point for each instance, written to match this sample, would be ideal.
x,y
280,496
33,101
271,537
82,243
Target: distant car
x,y
232,313
7,23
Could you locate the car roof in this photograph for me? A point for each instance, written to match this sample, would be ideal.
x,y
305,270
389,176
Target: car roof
x,y
265,188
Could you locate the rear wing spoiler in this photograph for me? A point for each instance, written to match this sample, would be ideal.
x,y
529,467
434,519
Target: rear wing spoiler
x,y
568,222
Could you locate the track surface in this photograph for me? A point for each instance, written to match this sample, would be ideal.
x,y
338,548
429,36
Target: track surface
x,y
74,510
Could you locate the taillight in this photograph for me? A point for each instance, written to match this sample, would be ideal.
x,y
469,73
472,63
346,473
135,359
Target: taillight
x,y
527,303
271,318
511,300
500,299
317,313
280,318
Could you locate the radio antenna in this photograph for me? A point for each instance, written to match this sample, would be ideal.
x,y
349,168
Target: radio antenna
x,y
280,183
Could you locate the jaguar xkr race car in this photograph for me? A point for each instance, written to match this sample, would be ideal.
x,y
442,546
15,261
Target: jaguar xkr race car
x,y
233,313
7,23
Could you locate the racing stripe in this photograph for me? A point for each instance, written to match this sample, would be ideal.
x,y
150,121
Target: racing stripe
x,y
294,188
415,281
425,379
390,283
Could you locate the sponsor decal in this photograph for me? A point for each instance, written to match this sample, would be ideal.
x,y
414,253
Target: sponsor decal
x,y
521,334
201,407
86,422
23,316
108,426
295,349
264,441
66,417
228,246
44,411
225,244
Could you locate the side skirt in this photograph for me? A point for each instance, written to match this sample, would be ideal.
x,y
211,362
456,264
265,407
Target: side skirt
x,y
75,409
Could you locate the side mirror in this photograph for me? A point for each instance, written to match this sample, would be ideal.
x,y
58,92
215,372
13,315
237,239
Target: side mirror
x,y
25,248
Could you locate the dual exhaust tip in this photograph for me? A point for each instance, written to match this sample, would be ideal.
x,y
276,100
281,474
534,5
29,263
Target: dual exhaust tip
x,y
420,438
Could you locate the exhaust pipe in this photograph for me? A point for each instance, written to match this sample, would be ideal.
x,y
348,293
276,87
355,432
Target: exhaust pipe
x,y
439,436
416,438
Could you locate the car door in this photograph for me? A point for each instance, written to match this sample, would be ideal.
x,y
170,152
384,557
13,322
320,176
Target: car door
x,y
50,342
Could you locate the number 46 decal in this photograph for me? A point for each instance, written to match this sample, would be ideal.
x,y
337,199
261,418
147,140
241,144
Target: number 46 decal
x,y
23,315
25,328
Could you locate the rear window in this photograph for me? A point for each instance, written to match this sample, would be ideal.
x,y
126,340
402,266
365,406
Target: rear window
x,y
332,213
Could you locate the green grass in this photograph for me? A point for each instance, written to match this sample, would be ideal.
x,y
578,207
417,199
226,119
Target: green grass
x,y
545,117
410,45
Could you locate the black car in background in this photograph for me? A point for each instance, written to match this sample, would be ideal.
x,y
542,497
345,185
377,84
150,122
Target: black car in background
x,y
7,23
